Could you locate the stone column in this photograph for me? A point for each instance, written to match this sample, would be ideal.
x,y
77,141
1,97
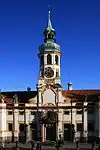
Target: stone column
x,y
43,133
28,129
16,113
85,122
53,59
60,123
73,118
39,96
3,123
59,60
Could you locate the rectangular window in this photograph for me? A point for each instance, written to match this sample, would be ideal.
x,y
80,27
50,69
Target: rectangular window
x,y
21,112
57,73
79,112
66,112
9,112
33,113
79,126
21,127
90,111
66,126
90,126
90,108
10,126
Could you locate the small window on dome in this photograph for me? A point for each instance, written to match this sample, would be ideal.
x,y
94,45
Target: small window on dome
x,y
49,59
56,60
49,36
57,73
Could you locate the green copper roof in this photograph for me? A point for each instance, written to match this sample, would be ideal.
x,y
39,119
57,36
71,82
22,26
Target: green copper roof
x,y
49,38
51,46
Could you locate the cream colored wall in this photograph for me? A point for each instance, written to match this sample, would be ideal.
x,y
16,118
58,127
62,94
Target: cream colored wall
x,y
49,97
3,120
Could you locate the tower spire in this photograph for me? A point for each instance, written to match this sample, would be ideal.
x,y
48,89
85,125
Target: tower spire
x,y
49,19
49,32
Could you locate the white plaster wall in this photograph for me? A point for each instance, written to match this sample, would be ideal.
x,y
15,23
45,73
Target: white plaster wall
x,y
48,96
21,118
3,116
9,134
78,117
57,80
31,117
3,119
67,118
60,96
0,119
9,117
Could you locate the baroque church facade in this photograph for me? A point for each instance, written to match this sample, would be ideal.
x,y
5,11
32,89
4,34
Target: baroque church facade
x,y
50,113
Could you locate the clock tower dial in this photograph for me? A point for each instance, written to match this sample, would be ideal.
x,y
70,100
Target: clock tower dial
x,y
49,73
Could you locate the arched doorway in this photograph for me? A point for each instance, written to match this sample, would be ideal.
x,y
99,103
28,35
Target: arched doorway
x,y
51,132
49,121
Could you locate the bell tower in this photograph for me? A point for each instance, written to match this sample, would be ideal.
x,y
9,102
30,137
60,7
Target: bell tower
x,y
49,55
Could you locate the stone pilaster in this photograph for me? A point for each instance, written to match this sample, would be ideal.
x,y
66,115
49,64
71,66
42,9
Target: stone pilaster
x,y
3,125
39,96
43,133
73,118
85,123
16,113
28,131
60,123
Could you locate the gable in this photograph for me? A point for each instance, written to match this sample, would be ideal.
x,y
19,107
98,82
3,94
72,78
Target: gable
x,y
49,96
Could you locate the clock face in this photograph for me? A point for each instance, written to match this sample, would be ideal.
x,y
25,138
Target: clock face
x,y
49,73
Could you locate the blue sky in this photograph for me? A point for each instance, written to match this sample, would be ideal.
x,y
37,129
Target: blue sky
x,y
77,25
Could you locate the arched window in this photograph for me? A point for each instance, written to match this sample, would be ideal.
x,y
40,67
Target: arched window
x,y
49,59
56,60
57,73
42,60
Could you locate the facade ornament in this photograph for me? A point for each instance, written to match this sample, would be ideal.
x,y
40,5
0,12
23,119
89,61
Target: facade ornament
x,y
49,81
15,98
1,97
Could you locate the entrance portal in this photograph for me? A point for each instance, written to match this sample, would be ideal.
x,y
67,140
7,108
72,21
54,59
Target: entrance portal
x,y
51,132
69,132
